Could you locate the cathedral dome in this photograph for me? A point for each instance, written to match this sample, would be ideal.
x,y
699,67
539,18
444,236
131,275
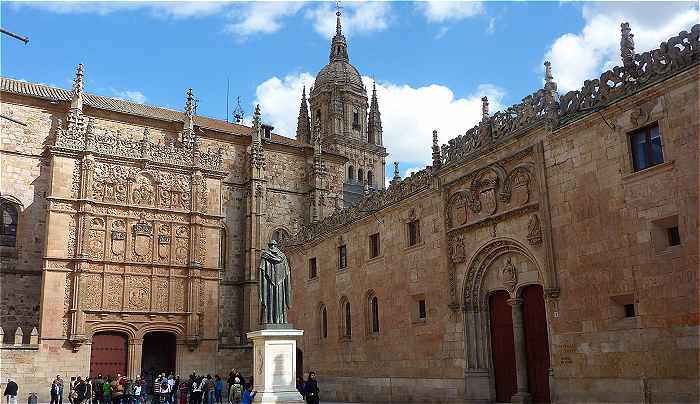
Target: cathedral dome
x,y
338,71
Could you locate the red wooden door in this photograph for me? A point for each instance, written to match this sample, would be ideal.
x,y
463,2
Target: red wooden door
x,y
502,346
108,356
536,343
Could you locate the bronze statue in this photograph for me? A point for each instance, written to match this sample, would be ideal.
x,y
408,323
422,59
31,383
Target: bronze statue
x,y
275,285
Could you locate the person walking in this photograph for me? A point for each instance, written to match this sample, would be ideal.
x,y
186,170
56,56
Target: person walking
x,y
97,388
218,389
235,393
248,394
89,391
197,388
311,388
10,392
184,388
57,390
117,390
71,390
300,386
107,390
80,391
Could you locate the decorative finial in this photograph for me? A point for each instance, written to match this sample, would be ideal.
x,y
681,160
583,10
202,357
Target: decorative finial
x,y
397,176
548,78
78,82
484,107
626,45
437,158
256,117
338,30
189,104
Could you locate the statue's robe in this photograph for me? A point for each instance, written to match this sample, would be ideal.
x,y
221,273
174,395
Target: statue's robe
x,y
275,295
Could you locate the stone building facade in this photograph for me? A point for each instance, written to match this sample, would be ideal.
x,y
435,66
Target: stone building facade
x,y
131,233
550,254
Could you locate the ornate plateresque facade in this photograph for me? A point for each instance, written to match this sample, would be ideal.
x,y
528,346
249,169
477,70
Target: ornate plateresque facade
x,y
133,232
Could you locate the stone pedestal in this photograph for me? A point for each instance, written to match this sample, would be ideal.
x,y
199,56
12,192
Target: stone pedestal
x,y
274,365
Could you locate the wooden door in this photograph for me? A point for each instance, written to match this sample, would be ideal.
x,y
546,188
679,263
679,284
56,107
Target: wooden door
x,y
536,343
108,355
502,346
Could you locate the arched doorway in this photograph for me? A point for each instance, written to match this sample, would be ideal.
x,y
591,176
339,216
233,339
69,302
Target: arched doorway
x,y
158,354
502,348
109,353
536,343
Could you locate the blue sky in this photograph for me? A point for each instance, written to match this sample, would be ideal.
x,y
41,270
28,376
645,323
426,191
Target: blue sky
x,y
432,60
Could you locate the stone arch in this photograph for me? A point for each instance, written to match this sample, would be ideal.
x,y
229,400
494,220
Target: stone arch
x,y
502,264
344,318
473,296
279,234
360,176
351,173
130,330
173,328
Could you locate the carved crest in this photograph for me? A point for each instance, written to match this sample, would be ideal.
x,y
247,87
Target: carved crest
x,y
142,238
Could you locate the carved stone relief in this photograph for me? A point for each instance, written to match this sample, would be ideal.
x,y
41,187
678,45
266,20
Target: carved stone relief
x,y
92,292
96,239
534,231
113,292
138,293
179,294
161,294
142,235
143,193
509,275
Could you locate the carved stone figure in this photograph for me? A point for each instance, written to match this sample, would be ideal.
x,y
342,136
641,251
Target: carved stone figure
x,y
510,276
275,285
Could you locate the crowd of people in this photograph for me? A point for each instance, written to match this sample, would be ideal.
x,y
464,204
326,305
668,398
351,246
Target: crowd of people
x,y
163,389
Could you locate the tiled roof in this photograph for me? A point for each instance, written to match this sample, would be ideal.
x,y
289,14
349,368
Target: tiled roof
x,y
131,108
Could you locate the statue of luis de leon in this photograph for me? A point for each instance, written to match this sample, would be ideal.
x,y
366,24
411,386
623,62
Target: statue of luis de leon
x,y
275,285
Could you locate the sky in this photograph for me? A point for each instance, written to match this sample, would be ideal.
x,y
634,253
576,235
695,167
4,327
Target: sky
x,y
432,61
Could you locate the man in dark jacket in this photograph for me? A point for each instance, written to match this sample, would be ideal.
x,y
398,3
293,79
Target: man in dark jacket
x,y
311,388
11,392
57,390
97,388
80,390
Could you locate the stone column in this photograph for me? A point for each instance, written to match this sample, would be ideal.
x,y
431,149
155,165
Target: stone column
x,y
522,395
134,357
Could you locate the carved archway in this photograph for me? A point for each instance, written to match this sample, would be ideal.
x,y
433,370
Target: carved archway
x,y
502,264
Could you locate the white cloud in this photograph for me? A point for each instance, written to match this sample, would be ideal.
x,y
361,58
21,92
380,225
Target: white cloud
x,y
357,18
441,10
129,95
409,114
265,18
580,56
160,9
279,101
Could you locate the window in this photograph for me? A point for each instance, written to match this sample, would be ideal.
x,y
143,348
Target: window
x,y
629,310
279,235
313,271
374,309
674,237
347,318
665,234
421,309
355,120
8,224
351,174
360,176
343,256
413,232
646,147
370,179
222,249
374,247
323,326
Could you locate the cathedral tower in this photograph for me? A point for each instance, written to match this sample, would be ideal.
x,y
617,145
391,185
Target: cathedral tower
x,y
339,112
